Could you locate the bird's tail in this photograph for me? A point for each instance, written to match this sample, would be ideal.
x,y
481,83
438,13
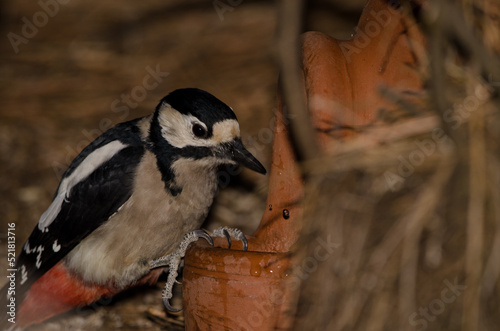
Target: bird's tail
x,y
56,292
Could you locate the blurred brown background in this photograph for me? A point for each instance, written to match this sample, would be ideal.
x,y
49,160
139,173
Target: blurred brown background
x,y
70,70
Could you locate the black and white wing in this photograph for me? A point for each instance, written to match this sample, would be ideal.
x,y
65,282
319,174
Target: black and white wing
x,y
97,183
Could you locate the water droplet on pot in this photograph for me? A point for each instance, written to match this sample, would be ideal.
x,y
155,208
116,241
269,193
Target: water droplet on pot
x,y
270,207
255,269
286,214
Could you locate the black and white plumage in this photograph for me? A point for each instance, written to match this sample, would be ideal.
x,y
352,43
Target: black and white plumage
x,y
98,182
130,196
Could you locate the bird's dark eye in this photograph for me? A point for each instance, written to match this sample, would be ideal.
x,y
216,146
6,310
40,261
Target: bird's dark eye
x,y
199,131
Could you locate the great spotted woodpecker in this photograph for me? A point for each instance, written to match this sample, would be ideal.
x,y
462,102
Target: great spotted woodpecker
x,y
125,203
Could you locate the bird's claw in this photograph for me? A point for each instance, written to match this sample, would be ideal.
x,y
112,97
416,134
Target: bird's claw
x,y
228,238
173,261
169,308
202,234
231,232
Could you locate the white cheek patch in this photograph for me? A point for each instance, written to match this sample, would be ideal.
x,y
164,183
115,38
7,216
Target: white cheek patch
x,y
93,161
177,129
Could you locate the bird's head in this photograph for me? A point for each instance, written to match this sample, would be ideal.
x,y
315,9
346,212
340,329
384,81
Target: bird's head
x,y
200,126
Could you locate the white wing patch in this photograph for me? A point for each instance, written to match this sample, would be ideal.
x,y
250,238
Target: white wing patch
x,y
51,213
55,246
38,263
27,247
93,161
24,274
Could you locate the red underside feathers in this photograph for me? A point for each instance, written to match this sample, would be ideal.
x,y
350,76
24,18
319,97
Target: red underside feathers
x,y
58,291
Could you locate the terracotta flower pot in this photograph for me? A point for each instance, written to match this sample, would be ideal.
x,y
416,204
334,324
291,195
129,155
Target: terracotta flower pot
x,y
234,290
231,289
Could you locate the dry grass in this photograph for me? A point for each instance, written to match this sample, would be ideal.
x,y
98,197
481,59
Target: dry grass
x,y
416,225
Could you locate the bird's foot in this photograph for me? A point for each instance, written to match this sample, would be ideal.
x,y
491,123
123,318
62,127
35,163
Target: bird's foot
x,y
173,261
227,233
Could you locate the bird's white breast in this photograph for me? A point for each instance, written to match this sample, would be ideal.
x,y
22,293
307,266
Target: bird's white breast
x,y
149,225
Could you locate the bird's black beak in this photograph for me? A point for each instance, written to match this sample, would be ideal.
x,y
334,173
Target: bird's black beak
x,y
239,154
